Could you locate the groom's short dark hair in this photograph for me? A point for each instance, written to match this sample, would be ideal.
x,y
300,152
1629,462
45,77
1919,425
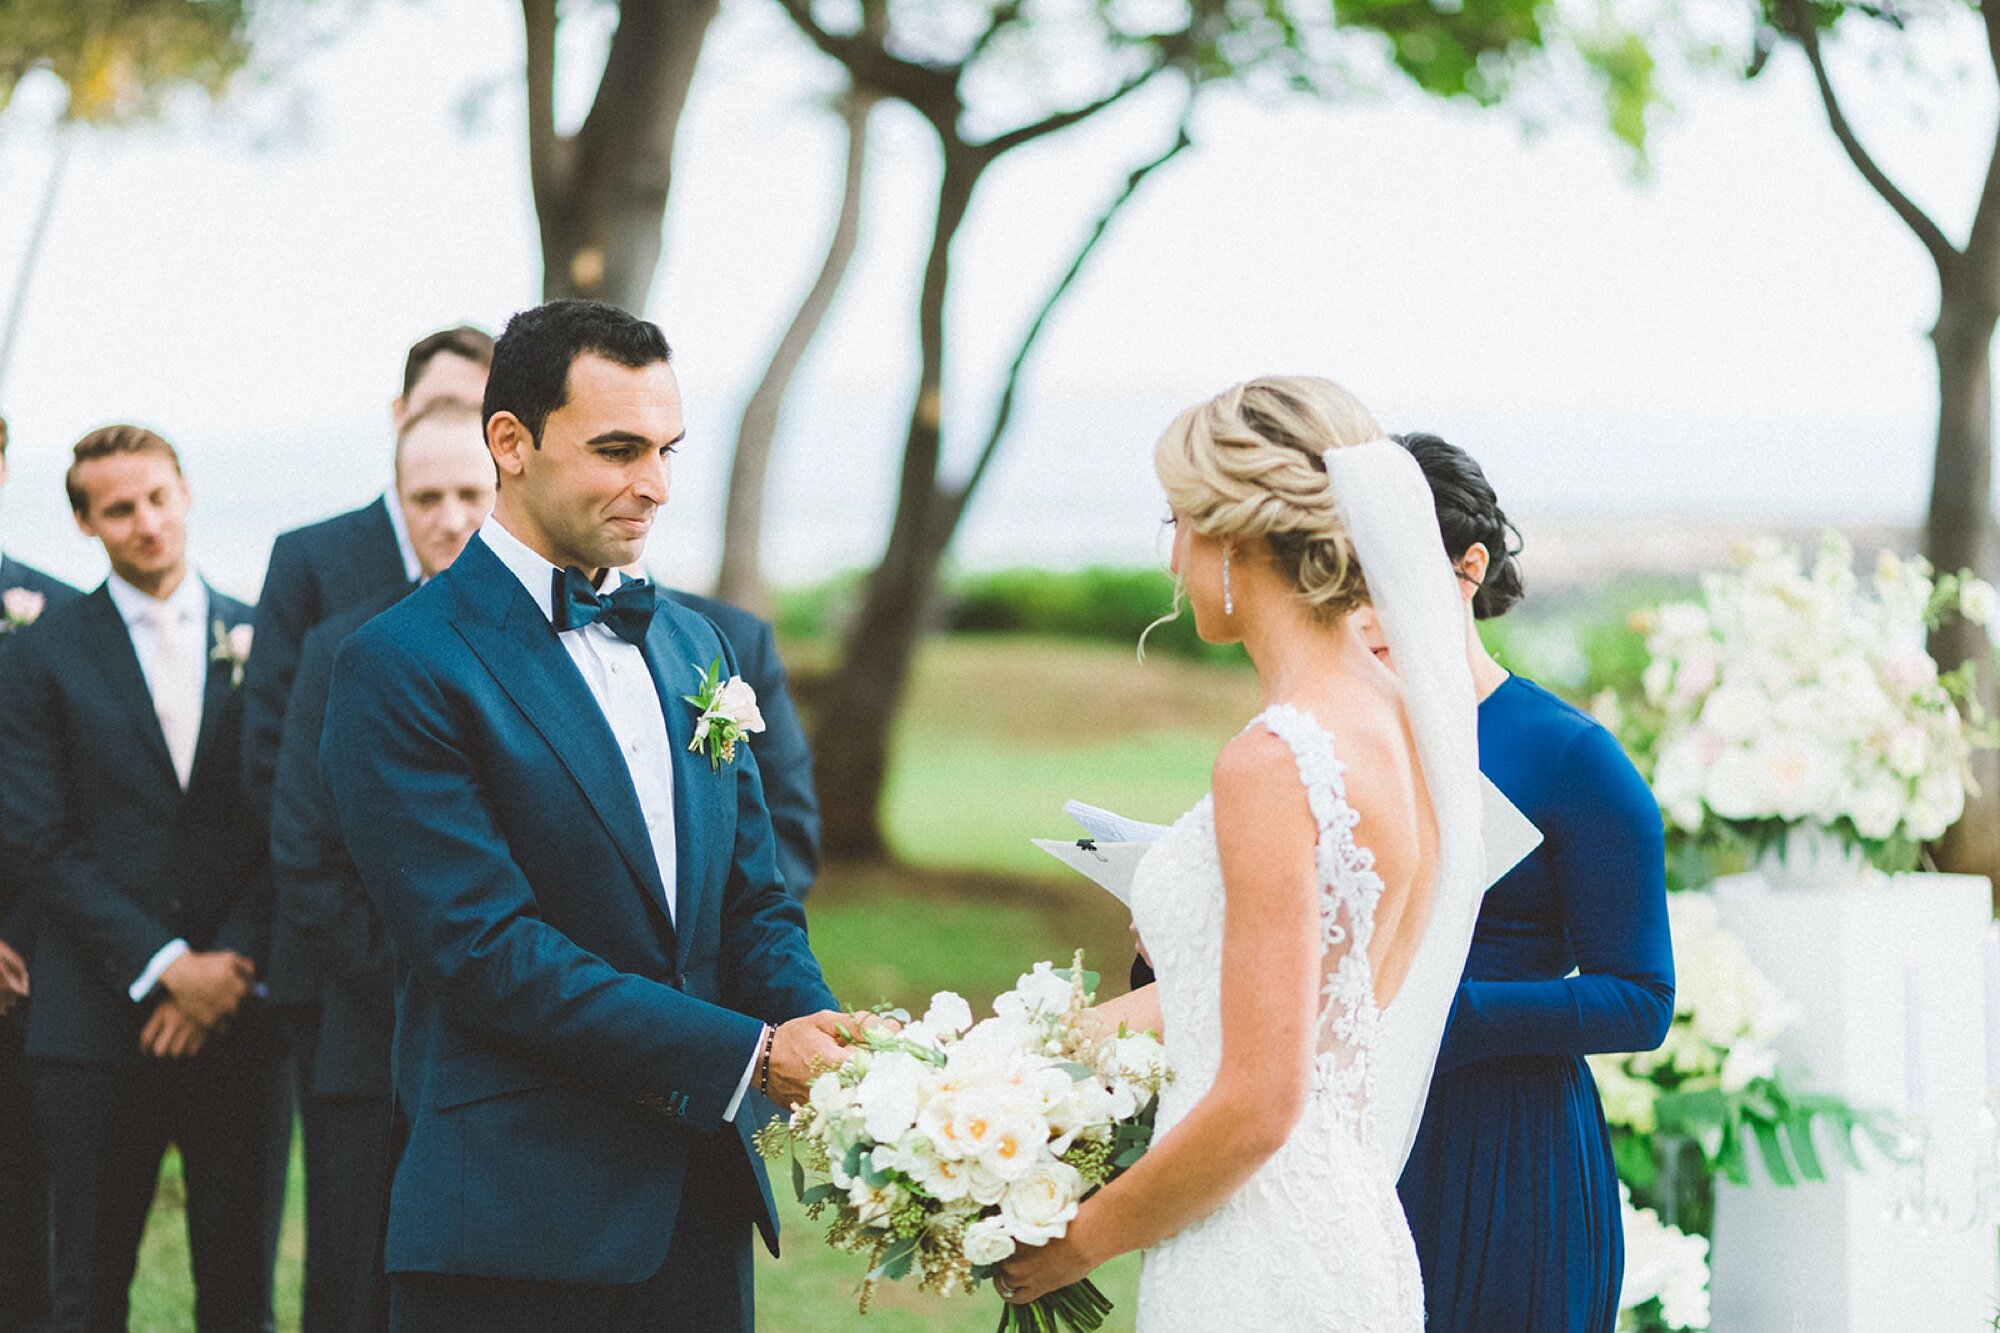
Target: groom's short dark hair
x,y
531,360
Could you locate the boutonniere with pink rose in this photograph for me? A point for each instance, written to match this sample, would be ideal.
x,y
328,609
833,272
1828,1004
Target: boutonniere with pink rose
x,y
728,713
20,608
232,646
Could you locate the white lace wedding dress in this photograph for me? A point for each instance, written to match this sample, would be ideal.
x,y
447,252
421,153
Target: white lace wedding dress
x,y
1316,1239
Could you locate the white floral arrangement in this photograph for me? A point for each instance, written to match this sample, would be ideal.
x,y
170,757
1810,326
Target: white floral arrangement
x,y
1716,1080
942,1148
1666,1272
1800,695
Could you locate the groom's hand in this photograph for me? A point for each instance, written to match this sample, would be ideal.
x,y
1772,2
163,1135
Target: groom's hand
x,y
802,1050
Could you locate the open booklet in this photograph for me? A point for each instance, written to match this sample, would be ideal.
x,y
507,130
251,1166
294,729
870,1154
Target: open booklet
x,y
1113,844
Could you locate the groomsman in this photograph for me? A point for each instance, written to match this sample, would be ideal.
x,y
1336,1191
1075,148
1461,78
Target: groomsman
x,y
24,1212
315,572
120,784
444,488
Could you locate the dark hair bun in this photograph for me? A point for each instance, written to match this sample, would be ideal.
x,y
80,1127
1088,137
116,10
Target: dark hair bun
x,y
1468,513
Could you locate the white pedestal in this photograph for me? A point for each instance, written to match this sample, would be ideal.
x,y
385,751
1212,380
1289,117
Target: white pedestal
x,y
1823,1257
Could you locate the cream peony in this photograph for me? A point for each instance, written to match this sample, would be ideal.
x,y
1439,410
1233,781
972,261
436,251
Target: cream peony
x,y
948,1013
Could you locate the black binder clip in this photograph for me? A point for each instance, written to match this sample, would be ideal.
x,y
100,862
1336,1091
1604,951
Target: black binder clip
x,y
1090,845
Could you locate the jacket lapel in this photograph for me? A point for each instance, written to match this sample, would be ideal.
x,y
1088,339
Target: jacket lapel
x,y
110,645
507,631
220,682
671,657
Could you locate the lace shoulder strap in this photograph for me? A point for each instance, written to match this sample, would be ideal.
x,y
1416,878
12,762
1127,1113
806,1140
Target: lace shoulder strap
x,y
1346,869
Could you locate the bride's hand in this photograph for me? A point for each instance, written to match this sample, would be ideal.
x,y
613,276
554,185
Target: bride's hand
x,y
1037,1270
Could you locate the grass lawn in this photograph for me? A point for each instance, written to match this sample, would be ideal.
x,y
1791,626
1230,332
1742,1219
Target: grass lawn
x,y
999,733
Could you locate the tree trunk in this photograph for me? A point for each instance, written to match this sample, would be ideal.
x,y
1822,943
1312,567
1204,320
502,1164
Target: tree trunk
x,y
861,703
601,194
1958,534
741,579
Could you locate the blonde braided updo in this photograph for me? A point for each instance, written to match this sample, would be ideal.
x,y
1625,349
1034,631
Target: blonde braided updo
x,y
1246,467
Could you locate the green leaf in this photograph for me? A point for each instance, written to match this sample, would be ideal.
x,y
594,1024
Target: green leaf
x,y
798,1181
1799,1129
1090,979
1077,1072
895,1262
1775,1163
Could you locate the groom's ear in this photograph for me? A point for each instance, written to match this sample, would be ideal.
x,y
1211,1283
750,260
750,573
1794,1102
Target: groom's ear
x,y
508,440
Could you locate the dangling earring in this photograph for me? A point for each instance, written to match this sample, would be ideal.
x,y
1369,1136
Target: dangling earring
x,y
1228,598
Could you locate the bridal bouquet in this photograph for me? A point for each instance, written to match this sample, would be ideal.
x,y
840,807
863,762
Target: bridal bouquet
x,y
941,1148
1799,695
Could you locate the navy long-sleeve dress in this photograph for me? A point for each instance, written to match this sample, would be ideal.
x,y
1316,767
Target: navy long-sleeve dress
x,y
1510,1190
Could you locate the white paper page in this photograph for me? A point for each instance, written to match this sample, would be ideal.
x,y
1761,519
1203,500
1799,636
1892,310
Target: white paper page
x,y
1107,827
1120,842
1106,864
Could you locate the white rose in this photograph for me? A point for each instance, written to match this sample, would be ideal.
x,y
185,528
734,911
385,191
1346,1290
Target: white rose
x,y
1797,774
1733,712
1683,620
1876,807
987,1242
1909,751
240,639
1734,786
1910,672
1745,1064
887,1095
948,1013
1039,991
1656,679
872,1204
1925,821
826,1092
944,1180
1012,1144
737,703
1978,602
1037,1208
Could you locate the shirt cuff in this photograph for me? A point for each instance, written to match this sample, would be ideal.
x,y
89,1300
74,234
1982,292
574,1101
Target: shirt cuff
x,y
169,954
736,1102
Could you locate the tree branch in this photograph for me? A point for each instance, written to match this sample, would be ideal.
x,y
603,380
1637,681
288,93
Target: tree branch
x,y
1982,245
545,169
1004,414
1942,251
1062,120
1004,13
636,110
930,90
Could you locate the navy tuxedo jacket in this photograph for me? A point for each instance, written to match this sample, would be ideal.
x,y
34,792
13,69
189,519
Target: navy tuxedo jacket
x,y
120,859
319,895
562,1047
17,917
783,756
315,572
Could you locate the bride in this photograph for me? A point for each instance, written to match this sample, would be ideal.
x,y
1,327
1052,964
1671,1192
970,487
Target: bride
x,y
1309,919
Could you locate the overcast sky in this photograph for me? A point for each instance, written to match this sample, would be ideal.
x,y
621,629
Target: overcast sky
x,y
1741,331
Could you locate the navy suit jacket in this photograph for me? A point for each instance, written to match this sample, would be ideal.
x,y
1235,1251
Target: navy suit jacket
x,y
563,1048
783,755
17,917
120,859
315,572
319,895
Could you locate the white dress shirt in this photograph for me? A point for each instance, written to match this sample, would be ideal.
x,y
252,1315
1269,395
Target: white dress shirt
x,y
616,674
184,616
399,525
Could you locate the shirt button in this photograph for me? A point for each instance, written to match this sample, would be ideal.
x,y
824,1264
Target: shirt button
x,y
633,748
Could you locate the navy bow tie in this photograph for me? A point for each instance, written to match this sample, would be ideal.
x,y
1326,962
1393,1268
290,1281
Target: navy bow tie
x,y
626,612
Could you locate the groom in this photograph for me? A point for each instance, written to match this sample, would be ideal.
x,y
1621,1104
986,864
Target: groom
x,y
602,959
